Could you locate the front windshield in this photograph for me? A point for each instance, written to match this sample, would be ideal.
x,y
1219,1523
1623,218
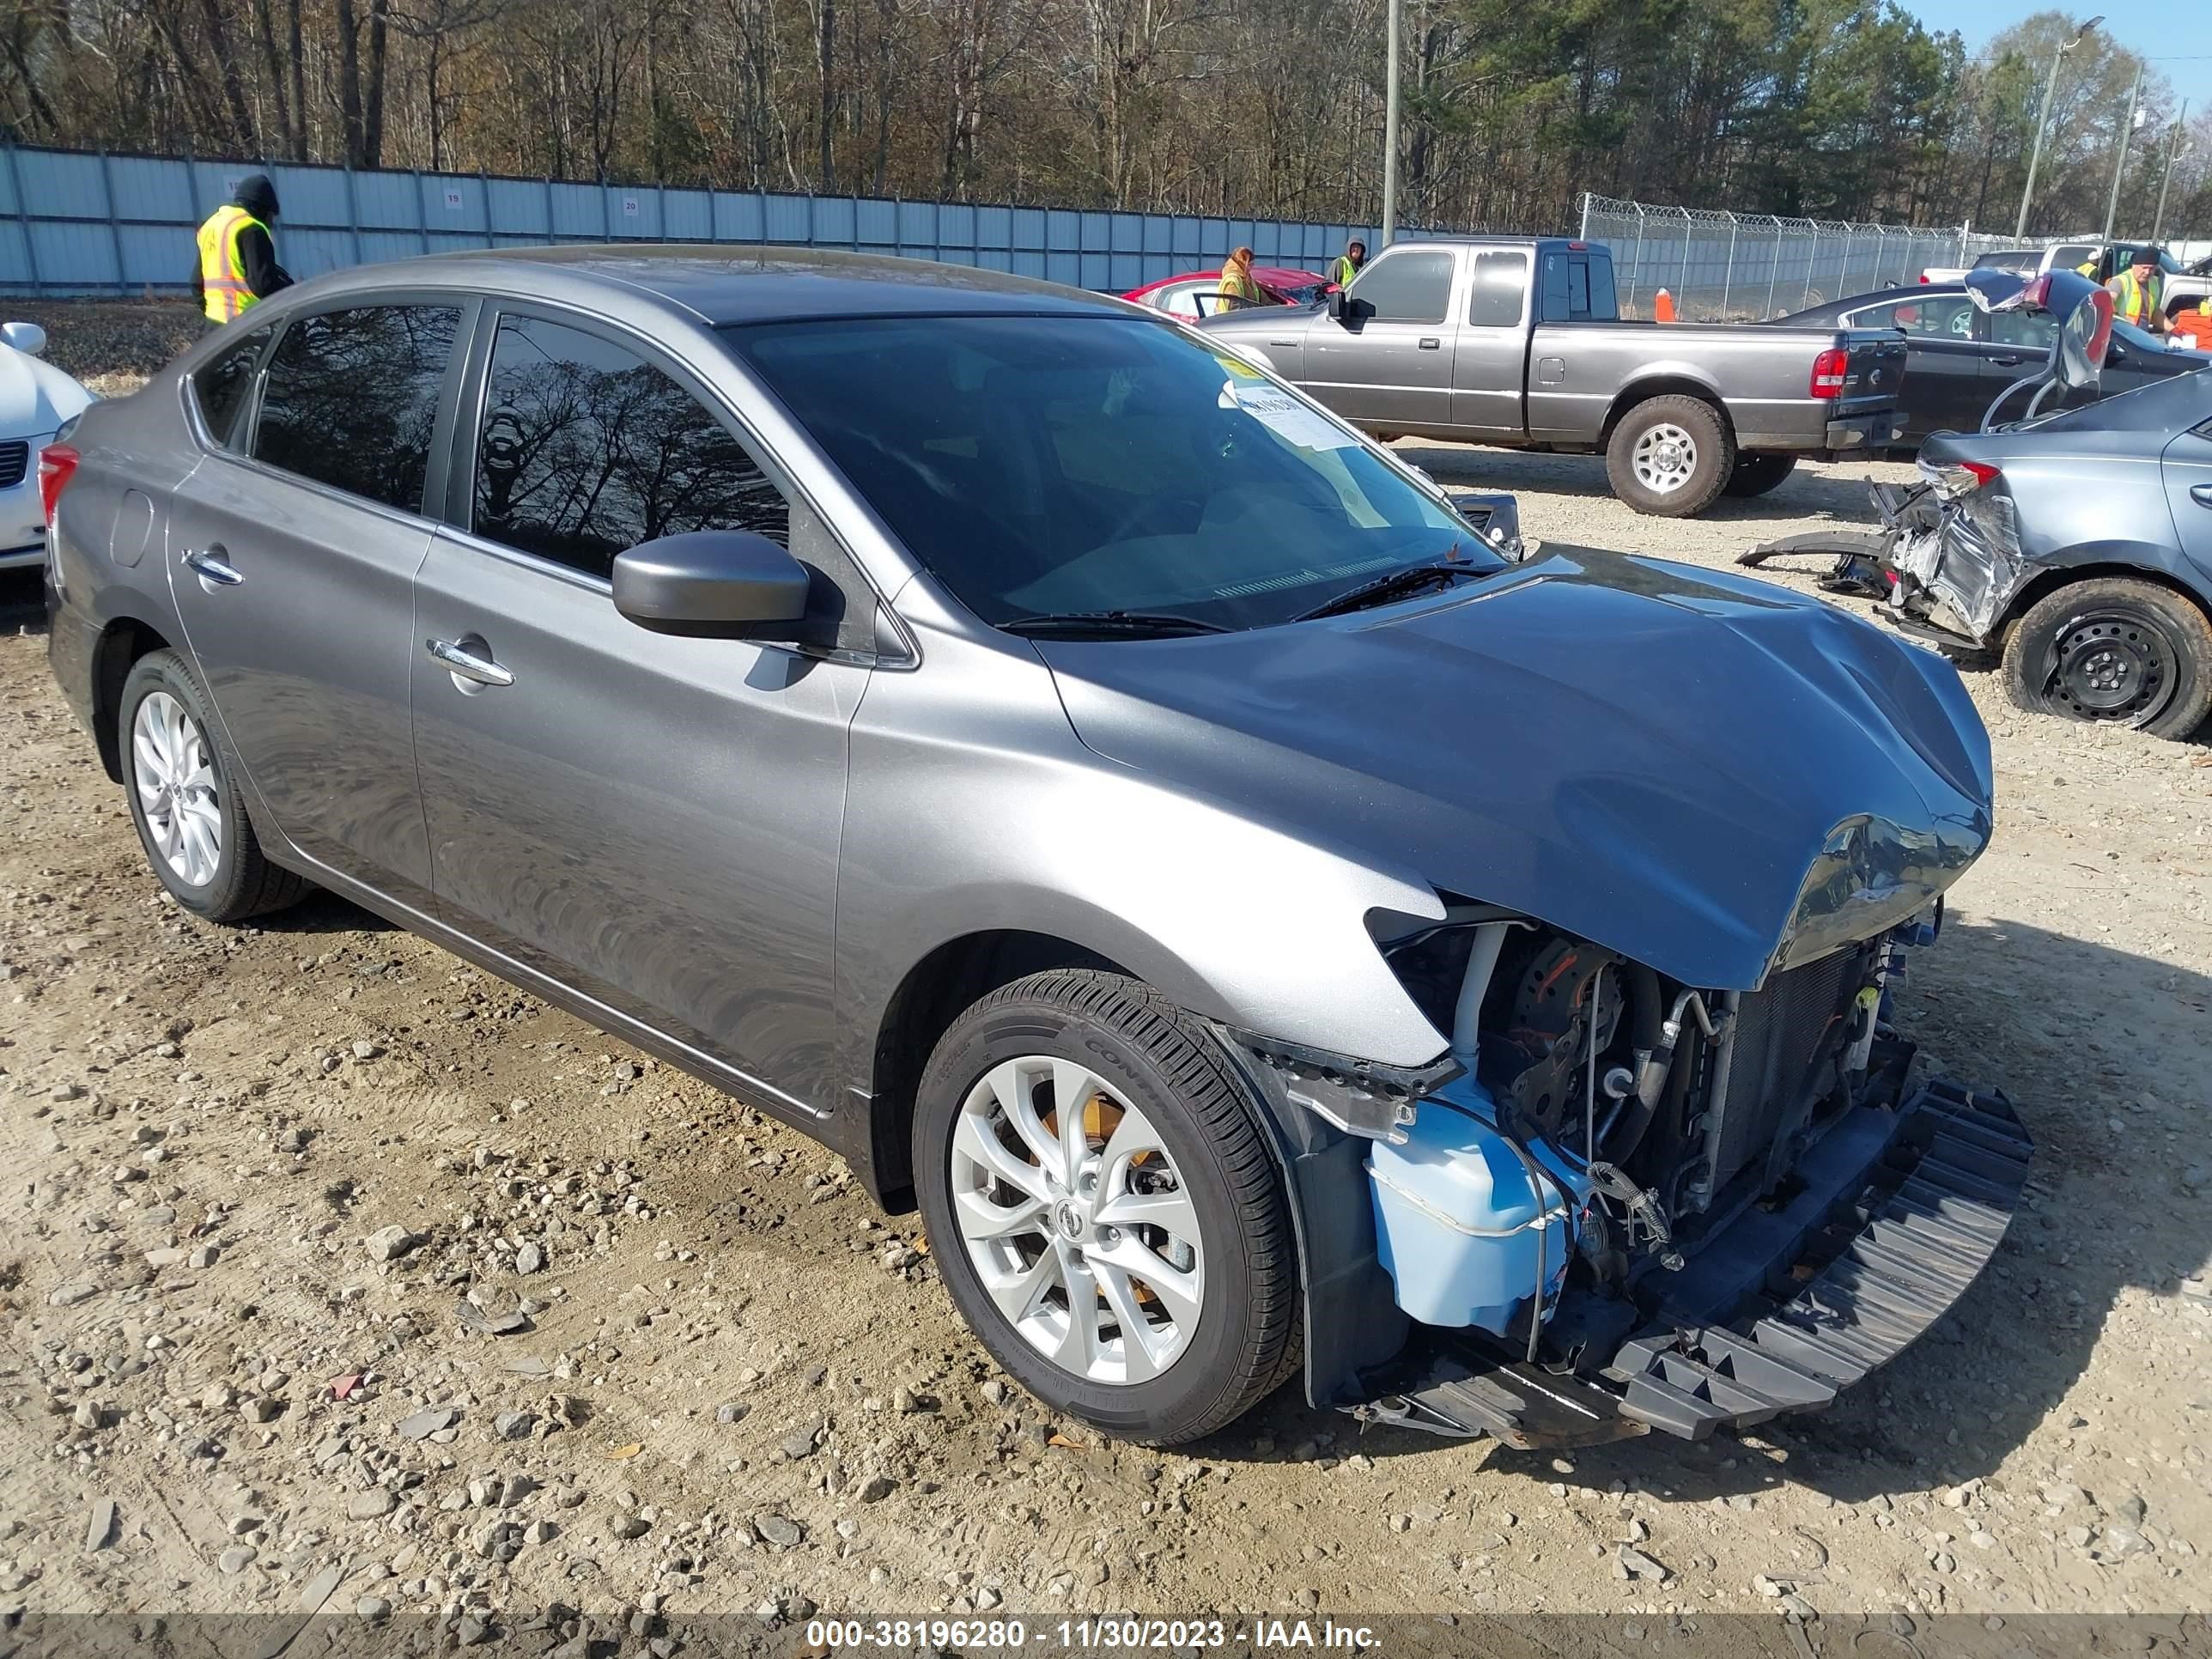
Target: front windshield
x,y
1059,465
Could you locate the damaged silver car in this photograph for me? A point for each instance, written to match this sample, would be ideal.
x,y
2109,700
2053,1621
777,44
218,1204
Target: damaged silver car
x,y
1128,814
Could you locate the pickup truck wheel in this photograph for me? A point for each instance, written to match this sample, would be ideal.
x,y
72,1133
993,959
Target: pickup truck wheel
x,y
181,781
2114,650
1755,475
1104,1210
1670,457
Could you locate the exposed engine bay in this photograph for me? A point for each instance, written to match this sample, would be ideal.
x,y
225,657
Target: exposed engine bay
x,y
1631,1183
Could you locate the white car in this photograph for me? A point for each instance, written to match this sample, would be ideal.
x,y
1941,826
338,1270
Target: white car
x,y
36,401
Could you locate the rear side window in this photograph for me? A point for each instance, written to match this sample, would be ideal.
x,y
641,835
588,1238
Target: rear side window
x,y
1500,280
1577,288
587,450
219,387
1414,287
352,397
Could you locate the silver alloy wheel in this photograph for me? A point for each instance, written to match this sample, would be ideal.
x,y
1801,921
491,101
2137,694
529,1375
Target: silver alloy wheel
x,y
173,770
1076,1220
1665,458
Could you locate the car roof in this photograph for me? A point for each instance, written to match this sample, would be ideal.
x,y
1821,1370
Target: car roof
x,y
717,283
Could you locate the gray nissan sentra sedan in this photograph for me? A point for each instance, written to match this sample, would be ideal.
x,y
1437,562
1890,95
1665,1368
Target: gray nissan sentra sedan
x,y
1123,810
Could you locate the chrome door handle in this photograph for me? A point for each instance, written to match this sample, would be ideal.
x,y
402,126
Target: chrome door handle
x,y
2200,494
2007,362
207,564
466,665
1430,343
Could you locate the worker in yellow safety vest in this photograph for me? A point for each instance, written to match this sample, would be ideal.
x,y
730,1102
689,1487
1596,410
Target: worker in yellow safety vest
x,y
238,253
1239,287
2139,293
1346,265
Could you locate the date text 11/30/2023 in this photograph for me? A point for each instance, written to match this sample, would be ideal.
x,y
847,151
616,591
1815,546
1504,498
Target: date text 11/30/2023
x,y
1081,1635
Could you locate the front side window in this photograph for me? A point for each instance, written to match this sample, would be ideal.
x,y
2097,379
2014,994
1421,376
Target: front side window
x,y
1071,466
352,398
586,450
1412,287
220,387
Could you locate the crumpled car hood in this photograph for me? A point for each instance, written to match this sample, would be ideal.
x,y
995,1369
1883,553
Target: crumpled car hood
x,y
1706,773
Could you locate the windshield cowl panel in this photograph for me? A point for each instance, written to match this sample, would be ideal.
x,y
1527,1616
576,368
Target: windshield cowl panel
x,y
1101,467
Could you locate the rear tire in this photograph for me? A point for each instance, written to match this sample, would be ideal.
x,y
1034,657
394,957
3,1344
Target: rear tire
x,y
181,780
1203,1258
1670,457
1755,475
2113,650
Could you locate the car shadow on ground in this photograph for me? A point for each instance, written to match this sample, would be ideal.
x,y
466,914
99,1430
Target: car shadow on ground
x,y
2106,1213
22,602
1841,493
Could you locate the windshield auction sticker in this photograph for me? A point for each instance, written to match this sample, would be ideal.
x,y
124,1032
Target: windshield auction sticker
x,y
1284,415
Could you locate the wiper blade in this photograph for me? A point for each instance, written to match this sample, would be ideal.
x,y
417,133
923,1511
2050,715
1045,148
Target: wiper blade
x,y
1391,585
1165,624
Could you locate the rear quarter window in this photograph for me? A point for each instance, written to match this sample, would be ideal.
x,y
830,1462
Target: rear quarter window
x,y
219,387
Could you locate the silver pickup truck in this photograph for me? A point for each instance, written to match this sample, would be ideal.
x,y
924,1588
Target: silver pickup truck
x,y
1518,341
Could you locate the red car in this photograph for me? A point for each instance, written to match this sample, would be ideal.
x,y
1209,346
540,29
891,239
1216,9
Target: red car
x,y
1198,293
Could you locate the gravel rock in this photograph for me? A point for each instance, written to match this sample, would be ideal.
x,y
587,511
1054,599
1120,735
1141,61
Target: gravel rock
x,y
373,1609
529,1258
779,1530
424,1424
513,1425
391,1244
626,1526
370,1504
237,1558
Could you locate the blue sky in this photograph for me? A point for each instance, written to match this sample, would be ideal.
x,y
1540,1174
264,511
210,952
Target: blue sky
x,y
2150,30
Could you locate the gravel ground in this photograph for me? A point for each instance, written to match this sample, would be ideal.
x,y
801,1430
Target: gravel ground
x,y
322,1250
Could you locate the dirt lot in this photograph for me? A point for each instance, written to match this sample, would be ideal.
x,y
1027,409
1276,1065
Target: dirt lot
x,y
740,1389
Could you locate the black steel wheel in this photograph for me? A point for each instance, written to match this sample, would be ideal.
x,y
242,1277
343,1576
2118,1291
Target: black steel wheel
x,y
2116,651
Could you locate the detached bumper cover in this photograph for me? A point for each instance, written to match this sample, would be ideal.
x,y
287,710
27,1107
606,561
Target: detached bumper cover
x,y
1844,1295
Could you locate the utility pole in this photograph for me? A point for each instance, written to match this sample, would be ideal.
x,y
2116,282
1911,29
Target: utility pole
x,y
2172,151
1390,133
2120,163
2035,157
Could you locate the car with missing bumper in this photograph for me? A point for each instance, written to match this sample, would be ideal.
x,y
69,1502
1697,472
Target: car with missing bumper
x,y
1132,817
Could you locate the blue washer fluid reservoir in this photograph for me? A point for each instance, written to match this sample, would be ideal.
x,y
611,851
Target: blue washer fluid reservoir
x,y
1456,1220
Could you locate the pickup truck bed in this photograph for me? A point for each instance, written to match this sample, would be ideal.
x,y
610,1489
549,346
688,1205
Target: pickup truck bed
x,y
1514,343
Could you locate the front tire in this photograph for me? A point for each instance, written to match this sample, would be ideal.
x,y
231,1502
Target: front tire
x,y
1670,457
181,781
2113,650
1104,1209
1755,475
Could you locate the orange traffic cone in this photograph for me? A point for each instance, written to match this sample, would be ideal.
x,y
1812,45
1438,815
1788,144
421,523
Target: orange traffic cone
x,y
1663,307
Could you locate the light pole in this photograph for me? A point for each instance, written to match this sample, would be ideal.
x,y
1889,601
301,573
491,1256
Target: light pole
x,y
2120,163
2172,153
2043,120
1390,133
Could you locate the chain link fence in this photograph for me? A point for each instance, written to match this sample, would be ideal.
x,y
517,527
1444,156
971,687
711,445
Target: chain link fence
x,y
1748,267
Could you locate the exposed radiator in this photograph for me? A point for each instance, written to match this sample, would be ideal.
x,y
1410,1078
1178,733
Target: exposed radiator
x,y
1779,1028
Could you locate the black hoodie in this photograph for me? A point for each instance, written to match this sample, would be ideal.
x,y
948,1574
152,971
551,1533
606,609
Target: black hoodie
x,y
263,275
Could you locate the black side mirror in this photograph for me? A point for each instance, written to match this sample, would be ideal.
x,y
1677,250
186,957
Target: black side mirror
x,y
1339,304
730,584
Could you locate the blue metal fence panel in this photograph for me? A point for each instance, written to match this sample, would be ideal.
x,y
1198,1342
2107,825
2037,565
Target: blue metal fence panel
x,y
73,222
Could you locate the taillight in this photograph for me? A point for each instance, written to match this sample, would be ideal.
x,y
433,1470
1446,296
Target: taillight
x,y
1830,369
1953,479
57,467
